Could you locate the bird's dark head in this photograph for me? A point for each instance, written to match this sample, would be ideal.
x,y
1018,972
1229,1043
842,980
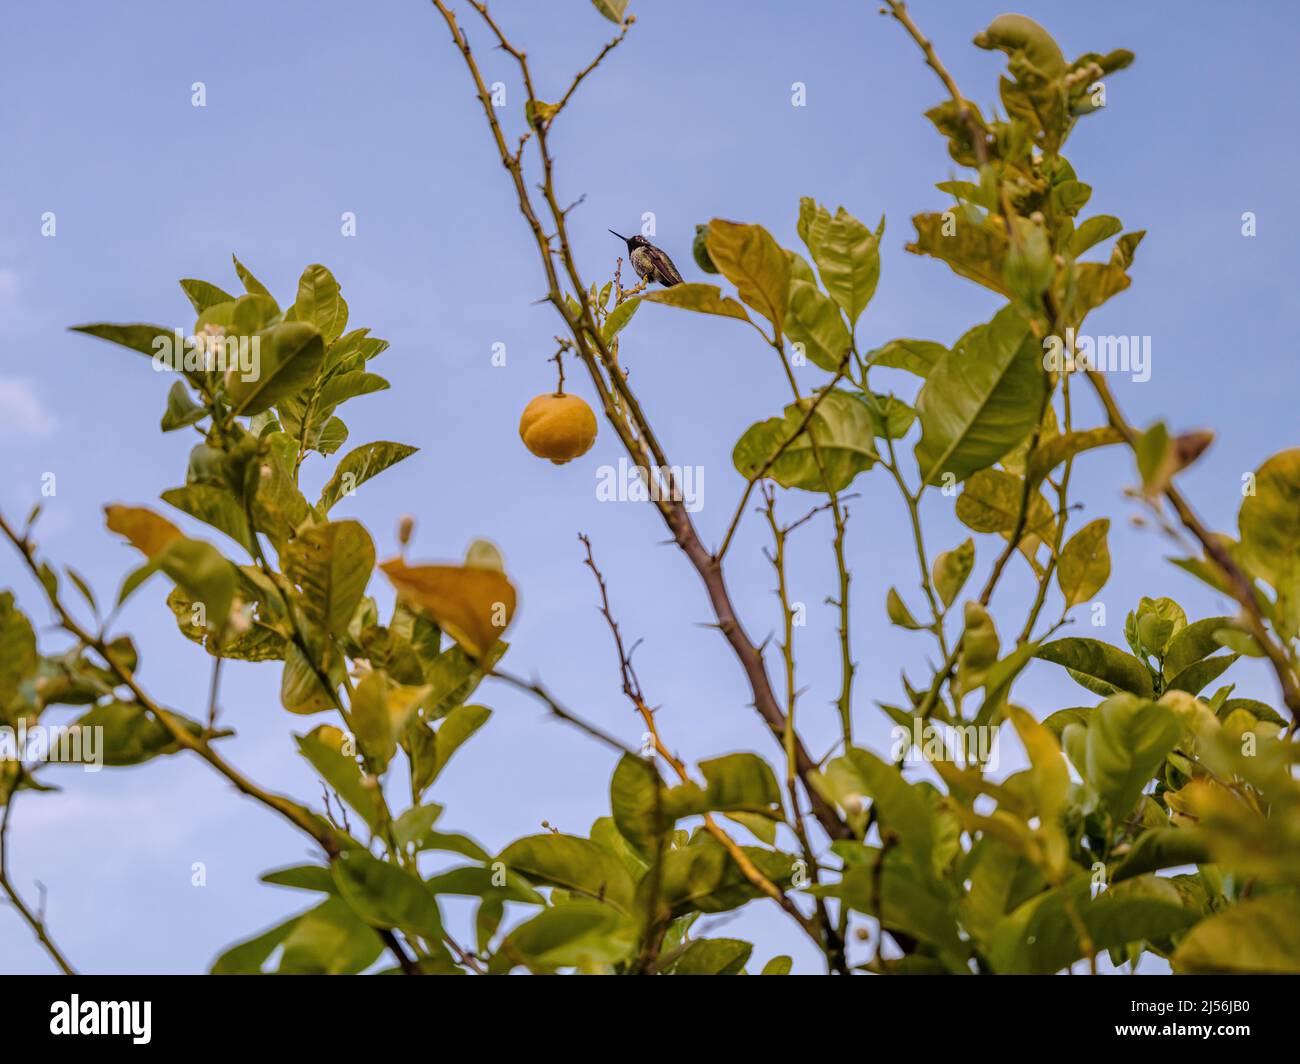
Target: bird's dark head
x,y
633,242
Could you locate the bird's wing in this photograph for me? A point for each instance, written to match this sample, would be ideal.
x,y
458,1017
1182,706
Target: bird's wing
x,y
664,267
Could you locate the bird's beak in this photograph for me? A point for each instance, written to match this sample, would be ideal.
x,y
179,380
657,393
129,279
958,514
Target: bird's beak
x,y
620,236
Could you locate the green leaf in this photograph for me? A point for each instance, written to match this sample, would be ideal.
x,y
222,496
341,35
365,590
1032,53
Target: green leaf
x,y
842,428
181,409
1051,453
898,613
454,676
251,284
1128,738
302,877
290,356
916,356
330,940
579,934
1259,710
345,386
18,655
846,252
206,577
386,896
1038,938
613,10
1084,566
619,318
755,263
779,965
279,508
908,900
814,322
1258,936
301,688
414,825
1158,848
1200,674
702,876
1018,35
447,842
240,317
999,679
979,645
639,804
702,298
1191,644
455,729
539,112
700,250
203,295
359,465
893,417
991,502
480,882
147,339
713,956
1100,667
216,506
247,958
380,712
741,783
332,435
982,399
900,806
1094,284
1092,232
126,735
574,864
323,748
1269,521
952,568
331,563
321,303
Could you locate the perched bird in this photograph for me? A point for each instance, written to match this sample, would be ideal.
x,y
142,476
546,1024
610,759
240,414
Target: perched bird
x,y
649,262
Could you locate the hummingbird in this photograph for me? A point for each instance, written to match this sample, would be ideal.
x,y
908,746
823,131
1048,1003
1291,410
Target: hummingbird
x,y
649,262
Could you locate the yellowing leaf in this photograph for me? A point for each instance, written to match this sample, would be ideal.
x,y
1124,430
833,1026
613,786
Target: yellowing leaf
x,y
755,263
147,531
951,570
472,604
1256,936
613,10
979,651
1049,781
331,563
704,298
1085,562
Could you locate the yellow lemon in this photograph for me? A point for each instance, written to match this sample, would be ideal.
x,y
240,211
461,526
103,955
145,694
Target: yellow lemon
x,y
558,427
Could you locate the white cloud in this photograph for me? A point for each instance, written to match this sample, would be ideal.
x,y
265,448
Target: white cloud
x,y
21,412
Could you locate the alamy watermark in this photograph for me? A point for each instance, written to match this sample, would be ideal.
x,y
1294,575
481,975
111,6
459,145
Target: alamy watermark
x,y
211,349
628,482
928,741
71,744
1106,354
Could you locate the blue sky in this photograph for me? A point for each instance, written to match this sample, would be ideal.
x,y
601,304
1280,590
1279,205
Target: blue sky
x,y
321,108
